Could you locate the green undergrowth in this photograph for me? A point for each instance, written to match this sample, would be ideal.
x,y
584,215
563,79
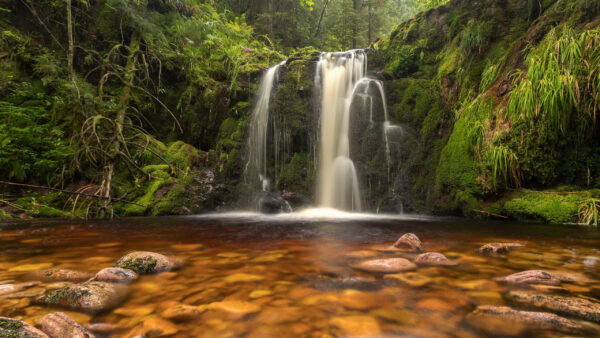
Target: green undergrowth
x,y
139,265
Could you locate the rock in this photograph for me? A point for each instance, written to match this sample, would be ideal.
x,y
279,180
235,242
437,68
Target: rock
x,y
358,300
88,297
15,328
157,327
58,325
182,313
29,267
361,326
295,199
50,275
146,262
135,311
498,248
30,293
278,315
409,242
341,283
104,329
531,277
386,265
6,289
568,306
115,275
243,278
432,259
410,278
503,320
270,203
235,309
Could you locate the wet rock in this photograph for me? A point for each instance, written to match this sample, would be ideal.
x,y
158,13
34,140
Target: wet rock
x,y
58,325
29,293
158,327
104,329
15,328
410,278
409,242
6,289
235,309
88,297
386,265
270,203
295,199
146,262
432,259
341,283
182,313
568,306
50,275
531,277
498,248
278,315
360,326
503,320
115,275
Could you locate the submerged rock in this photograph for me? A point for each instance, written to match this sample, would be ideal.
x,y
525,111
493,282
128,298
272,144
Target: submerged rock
x,y
115,275
411,278
432,259
182,312
15,328
386,265
158,327
235,309
61,275
6,289
498,248
359,326
531,277
329,283
409,242
568,306
503,320
143,262
88,297
58,325
104,329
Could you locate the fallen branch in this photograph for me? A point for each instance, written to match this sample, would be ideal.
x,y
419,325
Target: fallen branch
x,y
67,192
491,214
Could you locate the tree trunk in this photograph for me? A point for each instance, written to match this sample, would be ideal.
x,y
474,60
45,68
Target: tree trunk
x,y
370,18
321,18
71,53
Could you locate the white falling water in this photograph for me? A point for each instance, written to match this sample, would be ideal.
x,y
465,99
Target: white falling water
x,y
256,166
337,75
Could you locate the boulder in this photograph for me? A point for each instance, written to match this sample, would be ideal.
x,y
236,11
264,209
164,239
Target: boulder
x,y
295,199
58,324
51,275
409,242
89,297
104,329
531,277
386,265
6,289
143,262
115,275
503,320
15,328
270,203
432,259
568,306
498,248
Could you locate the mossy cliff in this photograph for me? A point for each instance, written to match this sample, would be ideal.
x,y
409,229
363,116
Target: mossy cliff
x,y
500,95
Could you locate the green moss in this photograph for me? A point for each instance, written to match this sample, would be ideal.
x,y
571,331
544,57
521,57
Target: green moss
x,y
184,155
38,206
10,328
4,216
139,265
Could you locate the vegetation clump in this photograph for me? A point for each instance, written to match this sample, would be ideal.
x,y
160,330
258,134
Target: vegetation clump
x,y
139,265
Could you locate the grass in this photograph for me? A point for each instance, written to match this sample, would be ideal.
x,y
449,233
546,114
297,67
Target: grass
x,y
503,163
588,211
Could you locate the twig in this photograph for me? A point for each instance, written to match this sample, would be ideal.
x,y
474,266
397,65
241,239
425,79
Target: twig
x,y
491,214
66,192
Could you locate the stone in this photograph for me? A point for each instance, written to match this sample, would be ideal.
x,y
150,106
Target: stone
x,y
365,326
503,320
531,277
143,262
104,329
568,306
115,275
498,248
89,297
476,284
6,289
158,327
243,278
386,265
395,315
279,315
358,300
50,275
58,325
411,278
29,293
409,242
235,309
432,259
15,328
434,304
182,313
30,267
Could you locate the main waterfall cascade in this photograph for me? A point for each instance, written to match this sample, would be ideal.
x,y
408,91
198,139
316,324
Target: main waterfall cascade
x,y
344,99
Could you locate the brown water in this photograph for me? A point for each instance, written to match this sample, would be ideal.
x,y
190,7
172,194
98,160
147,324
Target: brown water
x,y
302,280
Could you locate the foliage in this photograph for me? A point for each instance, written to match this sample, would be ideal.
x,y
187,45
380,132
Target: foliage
x,y
589,211
504,163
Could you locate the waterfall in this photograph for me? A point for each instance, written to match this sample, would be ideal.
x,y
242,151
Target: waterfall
x,y
337,76
256,167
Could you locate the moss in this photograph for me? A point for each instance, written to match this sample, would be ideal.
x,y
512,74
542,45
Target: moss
x,y
38,206
139,265
10,328
4,216
184,155
543,206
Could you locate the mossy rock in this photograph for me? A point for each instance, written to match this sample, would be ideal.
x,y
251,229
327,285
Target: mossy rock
x,y
91,297
184,155
13,328
144,262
